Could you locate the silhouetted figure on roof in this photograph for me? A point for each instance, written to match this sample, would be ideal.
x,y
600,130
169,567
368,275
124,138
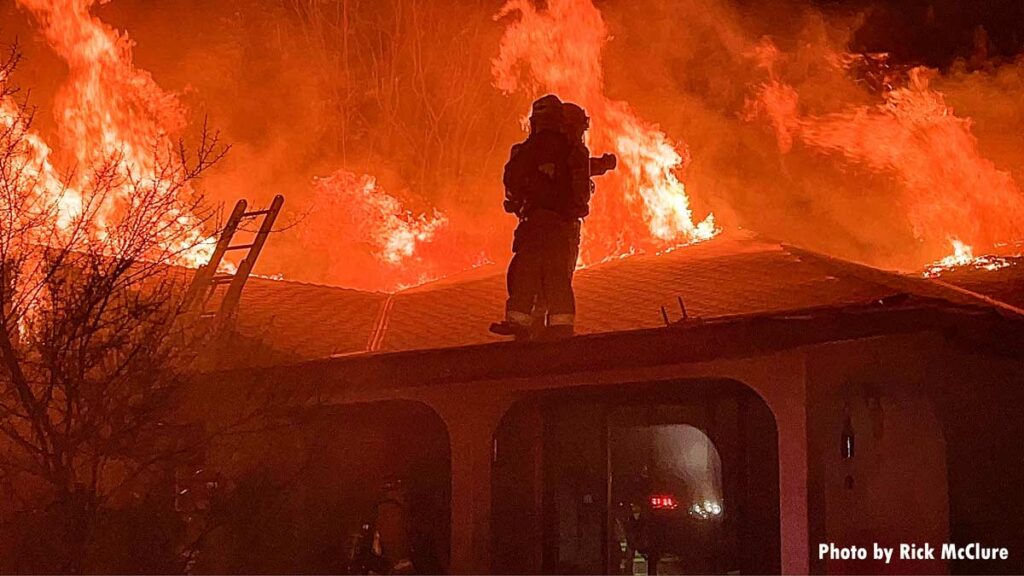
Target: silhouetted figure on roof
x,y
547,185
540,187
575,123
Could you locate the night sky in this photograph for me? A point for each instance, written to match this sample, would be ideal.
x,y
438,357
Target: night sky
x,y
936,32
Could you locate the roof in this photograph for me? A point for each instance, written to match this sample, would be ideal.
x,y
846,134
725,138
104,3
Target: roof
x,y
737,274
968,327
298,320
1004,285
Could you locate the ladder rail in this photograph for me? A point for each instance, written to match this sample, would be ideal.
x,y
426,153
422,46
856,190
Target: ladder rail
x,y
234,293
208,278
205,273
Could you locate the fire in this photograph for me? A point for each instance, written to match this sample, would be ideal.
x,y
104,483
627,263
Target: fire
x,y
962,257
33,157
106,110
374,242
949,189
393,231
109,108
644,205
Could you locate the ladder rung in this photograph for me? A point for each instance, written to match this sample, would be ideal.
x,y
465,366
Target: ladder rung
x,y
208,314
255,213
222,279
239,247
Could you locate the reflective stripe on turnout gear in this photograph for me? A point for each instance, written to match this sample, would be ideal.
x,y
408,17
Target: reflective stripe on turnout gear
x,y
518,318
561,319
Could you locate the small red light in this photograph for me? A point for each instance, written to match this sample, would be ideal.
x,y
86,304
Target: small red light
x,y
664,502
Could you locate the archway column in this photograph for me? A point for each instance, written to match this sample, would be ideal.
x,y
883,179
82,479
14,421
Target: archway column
x,y
471,419
782,384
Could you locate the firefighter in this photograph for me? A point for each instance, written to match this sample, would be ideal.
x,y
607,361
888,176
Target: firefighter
x,y
543,183
575,123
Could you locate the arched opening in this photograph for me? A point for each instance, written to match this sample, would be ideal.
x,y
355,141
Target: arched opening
x,y
667,499
305,494
666,478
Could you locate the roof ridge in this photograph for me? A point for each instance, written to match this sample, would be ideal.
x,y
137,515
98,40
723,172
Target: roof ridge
x,y
317,285
380,327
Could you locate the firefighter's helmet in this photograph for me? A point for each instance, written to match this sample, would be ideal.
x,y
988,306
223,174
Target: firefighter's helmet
x,y
546,113
576,119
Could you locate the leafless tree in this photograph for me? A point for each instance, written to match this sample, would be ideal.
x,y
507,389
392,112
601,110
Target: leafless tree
x,y
94,351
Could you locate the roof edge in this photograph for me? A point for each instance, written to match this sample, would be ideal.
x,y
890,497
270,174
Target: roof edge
x,y
695,341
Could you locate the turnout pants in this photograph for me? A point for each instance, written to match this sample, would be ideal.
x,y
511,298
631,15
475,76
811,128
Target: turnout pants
x,y
540,274
540,307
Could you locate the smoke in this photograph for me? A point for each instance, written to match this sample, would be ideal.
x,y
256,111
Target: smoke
x,y
787,130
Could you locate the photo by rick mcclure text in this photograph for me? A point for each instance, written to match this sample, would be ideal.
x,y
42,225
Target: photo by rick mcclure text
x,y
947,551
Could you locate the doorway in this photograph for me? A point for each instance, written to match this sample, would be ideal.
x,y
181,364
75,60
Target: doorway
x,y
667,501
674,478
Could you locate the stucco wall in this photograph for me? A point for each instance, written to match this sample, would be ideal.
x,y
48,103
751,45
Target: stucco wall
x,y
898,490
473,411
893,489
980,401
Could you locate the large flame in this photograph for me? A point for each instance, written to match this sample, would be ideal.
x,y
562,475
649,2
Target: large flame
x,y
107,111
35,171
374,242
641,207
393,231
950,190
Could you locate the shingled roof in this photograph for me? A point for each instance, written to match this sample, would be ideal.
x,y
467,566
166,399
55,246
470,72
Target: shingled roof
x,y
1004,285
732,275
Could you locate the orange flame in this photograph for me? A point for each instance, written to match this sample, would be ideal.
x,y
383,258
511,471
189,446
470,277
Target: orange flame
x,y
373,242
394,232
36,172
641,207
950,190
107,109
963,257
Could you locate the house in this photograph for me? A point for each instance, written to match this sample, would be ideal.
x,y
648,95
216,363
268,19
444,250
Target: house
x,y
799,401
